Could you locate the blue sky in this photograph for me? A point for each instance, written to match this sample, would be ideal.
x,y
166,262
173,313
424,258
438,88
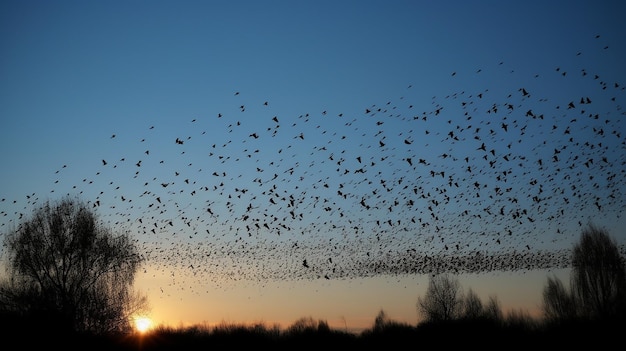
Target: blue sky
x,y
325,109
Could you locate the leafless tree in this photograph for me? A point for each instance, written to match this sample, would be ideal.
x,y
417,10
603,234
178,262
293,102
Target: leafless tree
x,y
558,304
599,275
307,324
473,309
381,321
472,306
598,282
443,300
493,310
66,268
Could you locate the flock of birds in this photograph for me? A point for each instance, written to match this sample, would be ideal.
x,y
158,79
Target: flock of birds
x,y
482,179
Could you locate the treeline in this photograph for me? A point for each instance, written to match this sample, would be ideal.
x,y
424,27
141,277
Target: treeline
x,y
69,286
513,331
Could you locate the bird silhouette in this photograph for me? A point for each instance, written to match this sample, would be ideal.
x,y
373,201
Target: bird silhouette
x,y
458,183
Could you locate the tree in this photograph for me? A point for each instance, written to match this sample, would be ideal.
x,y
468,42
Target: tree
x,y
381,321
473,309
493,310
66,270
598,282
558,304
472,306
443,300
308,325
599,275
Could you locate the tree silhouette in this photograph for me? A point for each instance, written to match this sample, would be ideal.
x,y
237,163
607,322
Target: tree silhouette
x,y
598,282
380,321
493,310
599,275
443,300
308,325
472,306
558,304
68,272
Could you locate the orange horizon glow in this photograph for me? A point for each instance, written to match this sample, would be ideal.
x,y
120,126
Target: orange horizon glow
x,y
143,324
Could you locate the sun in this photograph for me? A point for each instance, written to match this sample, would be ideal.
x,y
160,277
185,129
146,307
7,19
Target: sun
x,y
143,324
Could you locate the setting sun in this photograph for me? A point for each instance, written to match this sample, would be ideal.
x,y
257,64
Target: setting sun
x,y
143,324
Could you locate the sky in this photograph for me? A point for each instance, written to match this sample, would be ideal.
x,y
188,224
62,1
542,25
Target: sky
x,y
287,159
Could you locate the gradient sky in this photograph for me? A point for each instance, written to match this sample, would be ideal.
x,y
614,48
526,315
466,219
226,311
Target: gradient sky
x,y
285,159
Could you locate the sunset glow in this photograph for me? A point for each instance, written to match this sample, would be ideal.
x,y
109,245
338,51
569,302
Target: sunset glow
x,y
143,324
278,160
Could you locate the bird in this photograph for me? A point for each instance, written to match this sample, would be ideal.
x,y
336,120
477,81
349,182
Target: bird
x,y
394,194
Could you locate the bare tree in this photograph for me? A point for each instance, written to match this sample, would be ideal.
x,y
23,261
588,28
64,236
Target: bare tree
x,y
443,300
558,304
598,282
381,321
308,325
493,310
472,306
64,267
599,275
